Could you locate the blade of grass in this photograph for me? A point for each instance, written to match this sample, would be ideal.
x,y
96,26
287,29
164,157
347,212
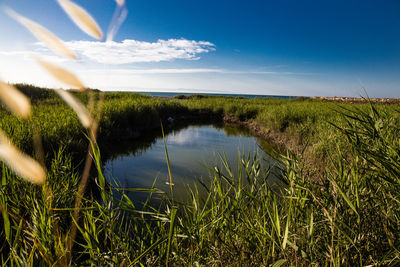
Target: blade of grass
x,y
168,162
171,233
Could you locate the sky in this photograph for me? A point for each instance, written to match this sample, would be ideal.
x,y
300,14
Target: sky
x,y
286,47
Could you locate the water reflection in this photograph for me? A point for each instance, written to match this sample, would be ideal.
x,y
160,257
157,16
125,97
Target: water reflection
x,y
138,162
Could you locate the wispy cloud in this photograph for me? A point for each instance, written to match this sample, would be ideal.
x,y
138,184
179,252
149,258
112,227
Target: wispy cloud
x,y
133,51
128,71
15,53
42,53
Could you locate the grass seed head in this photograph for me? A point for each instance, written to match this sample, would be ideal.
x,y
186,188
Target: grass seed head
x,y
81,18
120,2
43,35
23,165
77,106
60,74
14,100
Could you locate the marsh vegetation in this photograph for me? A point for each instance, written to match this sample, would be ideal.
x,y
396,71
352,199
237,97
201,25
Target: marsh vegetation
x,y
339,203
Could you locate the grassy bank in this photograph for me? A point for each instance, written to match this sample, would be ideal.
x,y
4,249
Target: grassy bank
x,y
340,205
294,124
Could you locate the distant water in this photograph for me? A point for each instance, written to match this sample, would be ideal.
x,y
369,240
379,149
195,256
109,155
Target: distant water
x,y
172,94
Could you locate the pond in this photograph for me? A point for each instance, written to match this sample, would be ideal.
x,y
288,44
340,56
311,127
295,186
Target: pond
x,y
137,163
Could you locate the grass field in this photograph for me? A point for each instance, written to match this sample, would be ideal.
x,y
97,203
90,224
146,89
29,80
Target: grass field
x,y
340,205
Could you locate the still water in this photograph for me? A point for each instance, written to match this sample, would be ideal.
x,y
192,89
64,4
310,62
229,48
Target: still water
x,y
136,164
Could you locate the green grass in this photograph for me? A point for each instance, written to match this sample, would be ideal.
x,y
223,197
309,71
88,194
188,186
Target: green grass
x,y
339,205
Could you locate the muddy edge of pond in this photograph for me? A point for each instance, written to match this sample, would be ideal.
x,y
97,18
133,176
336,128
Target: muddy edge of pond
x,y
313,167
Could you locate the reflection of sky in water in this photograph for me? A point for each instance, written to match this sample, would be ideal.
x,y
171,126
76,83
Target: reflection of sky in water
x,y
184,137
188,149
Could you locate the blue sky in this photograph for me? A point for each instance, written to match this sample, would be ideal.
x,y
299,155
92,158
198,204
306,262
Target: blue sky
x,y
287,47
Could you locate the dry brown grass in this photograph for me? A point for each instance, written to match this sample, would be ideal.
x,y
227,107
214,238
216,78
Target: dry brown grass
x,y
81,18
14,100
22,164
43,35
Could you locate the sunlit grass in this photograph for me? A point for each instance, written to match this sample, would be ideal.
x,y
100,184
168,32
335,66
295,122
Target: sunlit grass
x,y
348,215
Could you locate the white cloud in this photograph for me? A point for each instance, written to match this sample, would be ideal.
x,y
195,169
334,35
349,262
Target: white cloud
x,y
125,52
132,51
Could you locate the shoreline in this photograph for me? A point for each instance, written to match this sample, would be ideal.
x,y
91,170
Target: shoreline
x,y
350,100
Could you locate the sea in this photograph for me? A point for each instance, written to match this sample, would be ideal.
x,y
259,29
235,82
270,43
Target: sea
x,y
172,94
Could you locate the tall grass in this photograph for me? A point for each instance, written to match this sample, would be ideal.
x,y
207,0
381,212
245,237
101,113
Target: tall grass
x,y
295,123
351,216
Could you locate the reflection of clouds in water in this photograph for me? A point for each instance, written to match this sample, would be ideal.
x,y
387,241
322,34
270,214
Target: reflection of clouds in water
x,y
190,150
185,137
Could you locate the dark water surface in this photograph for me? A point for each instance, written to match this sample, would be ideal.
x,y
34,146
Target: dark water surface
x,y
137,163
